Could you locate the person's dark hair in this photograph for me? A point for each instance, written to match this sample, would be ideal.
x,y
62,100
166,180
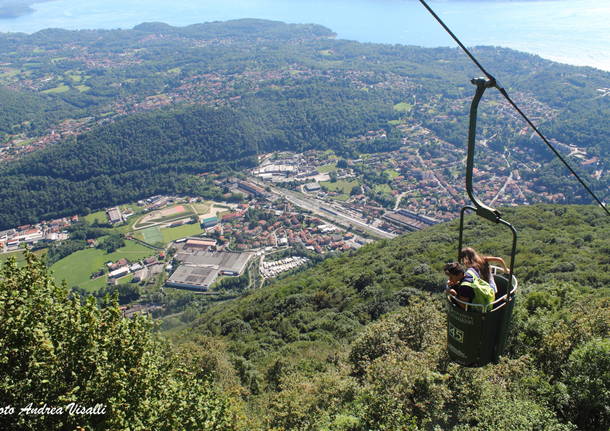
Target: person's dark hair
x,y
471,259
454,268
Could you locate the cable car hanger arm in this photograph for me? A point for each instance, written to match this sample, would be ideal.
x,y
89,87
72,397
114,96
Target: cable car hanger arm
x,y
482,210
494,83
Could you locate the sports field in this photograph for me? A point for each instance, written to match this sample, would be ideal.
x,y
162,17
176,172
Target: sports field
x,y
152,235
173,213
174,233
155,235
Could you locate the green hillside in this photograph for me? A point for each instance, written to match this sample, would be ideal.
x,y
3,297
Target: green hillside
x,y
358,342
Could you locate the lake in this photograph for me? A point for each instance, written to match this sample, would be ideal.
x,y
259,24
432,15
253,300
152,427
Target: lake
x,y
569,31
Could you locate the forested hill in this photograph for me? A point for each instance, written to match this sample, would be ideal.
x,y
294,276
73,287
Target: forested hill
x,y
358,342
160,151
90,87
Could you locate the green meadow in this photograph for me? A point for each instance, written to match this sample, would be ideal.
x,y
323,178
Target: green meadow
x,y
383,188
403,107
59,89
100,216
174,233
324,169
78,267
340,186
19,256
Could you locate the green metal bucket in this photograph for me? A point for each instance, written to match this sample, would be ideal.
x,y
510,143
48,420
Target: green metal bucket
x,y
476,338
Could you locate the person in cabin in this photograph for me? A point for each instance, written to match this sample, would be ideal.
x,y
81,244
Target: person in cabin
x,y
468,287
481,265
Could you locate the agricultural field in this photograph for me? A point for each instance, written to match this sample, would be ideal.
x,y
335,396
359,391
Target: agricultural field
x,y
76,268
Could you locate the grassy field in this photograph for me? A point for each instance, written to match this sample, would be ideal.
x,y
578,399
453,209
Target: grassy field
x,y
383,188
324,169
201,208
20,256
391,173
340,186
172,217
403,107
59,89
154,235
151,235
75,77
341,197
77,268
99,215
174,233
10,73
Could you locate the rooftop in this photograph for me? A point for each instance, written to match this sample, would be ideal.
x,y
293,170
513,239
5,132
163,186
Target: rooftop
x,y
194,277
226,261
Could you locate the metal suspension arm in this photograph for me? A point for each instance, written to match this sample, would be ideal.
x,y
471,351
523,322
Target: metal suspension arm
x,y
481,209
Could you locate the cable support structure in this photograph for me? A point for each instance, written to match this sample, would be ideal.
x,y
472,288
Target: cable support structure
x,y
494,83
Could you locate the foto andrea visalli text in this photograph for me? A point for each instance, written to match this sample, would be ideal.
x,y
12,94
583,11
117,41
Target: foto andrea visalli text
x,y
72,409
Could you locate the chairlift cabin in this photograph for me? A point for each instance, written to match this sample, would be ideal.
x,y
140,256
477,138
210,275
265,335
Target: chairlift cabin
x,y
476,335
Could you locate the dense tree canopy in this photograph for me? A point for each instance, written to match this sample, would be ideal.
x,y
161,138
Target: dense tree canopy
x,y
358,342
56,350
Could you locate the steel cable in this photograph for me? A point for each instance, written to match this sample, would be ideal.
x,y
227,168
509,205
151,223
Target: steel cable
x,y
514,105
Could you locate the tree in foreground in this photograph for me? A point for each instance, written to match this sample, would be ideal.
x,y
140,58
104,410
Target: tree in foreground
x,y
68,364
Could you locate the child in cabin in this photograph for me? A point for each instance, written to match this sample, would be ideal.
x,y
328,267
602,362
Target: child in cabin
x,y
468,287
481,265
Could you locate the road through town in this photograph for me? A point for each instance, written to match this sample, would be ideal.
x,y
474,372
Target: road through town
x,y
323,209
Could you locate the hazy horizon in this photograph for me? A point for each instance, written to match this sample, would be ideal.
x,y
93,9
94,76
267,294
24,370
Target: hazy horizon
x,y
567,31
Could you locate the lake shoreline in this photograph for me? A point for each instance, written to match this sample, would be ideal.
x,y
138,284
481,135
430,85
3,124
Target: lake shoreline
x,y
571,32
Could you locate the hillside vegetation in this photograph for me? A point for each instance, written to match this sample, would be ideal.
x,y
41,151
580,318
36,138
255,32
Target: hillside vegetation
x,y
159,152
355,343
358,342
60,352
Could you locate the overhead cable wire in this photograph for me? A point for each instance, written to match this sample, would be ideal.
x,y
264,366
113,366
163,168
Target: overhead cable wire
x,y
514,105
